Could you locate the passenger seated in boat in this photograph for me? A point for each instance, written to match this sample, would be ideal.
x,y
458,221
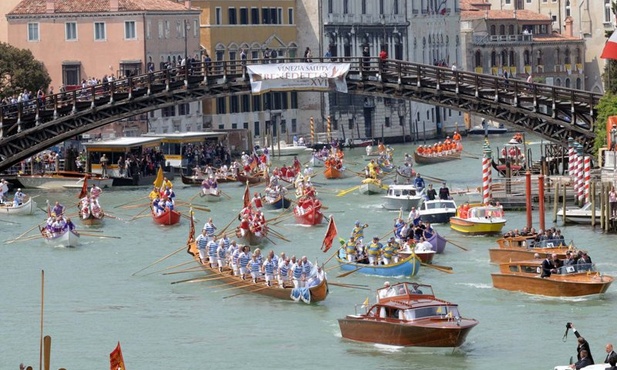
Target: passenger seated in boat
x,y
69,225
386,291
414,289
583,263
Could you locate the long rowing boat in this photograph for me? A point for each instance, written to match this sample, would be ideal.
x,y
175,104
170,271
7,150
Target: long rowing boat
x,y
430,159
26,208
66,238
405,267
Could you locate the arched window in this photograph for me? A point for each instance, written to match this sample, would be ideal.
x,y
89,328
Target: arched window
x,y
526,58
557,82
578,84
478,58
567,82
493,59
502,29
512,58
540,60
504,58
567,56
557,56
511,29
578,56
493,30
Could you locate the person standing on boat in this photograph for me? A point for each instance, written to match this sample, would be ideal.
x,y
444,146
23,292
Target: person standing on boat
x,y
268,270
390,252
202,243
212,247
374,251
418,183
583,362
221,254
431,193
547,267
444,192
350,249
582,345
255,268
284,272
358,231
58,208
103,162
414,216
297,274
609,353
18,198
95,192
209,227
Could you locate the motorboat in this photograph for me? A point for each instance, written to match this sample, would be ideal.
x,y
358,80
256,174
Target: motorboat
x,y
519,248
581,215
62,180
408,314
437,211
478,219
403,197
284,149
371,186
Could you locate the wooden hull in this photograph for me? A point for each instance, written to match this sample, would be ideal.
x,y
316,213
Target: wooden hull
x,y
332,173
405,267
251,179
309,218
167,218
477,226
196,181
91,220
27,208
66,239
419,333
424,256
317,293
250,238
371,187
502,255
438,243
424,159
569,285
278,203
62,180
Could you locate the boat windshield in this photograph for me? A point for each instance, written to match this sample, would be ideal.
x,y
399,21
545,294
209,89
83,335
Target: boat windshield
x,y
440,204
441,311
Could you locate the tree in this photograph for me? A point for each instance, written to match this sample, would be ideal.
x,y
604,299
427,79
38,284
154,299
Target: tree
x,y
19,70
606,107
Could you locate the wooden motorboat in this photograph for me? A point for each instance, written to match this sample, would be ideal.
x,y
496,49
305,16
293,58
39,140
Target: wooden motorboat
x,y
167,217
431,159
408,314
403,197
479,219
371,186
521,248
569,281
66,238
26,208
581,215
63,179
331,172
405,267
316,292
437,211
308,212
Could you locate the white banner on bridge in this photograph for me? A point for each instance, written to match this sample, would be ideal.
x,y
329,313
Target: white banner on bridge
x,y
298,76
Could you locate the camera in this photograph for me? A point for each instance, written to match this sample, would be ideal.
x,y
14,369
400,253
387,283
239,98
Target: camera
x,y
568,325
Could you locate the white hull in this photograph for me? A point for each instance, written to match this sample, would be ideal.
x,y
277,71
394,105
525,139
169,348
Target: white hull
x,y
67,239
50,182
406,203
580,215
26,208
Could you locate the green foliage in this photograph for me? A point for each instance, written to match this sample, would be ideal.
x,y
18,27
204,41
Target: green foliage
x,y
606,107
609,76
19,70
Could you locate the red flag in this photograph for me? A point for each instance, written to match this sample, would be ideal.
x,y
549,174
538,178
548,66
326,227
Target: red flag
x,y
116,362
330,234
84,188
610,48
246,198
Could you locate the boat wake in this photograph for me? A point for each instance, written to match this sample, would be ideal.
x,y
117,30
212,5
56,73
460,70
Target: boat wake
x,y
477,285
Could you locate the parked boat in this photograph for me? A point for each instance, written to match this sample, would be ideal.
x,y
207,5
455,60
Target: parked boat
x,y
316,291
431,159
284,149
371,186
478,219
403,197
66,238
167,217
569,281
354,143
522,248
405,267
408,314
26,208
437,211
580,215
63,179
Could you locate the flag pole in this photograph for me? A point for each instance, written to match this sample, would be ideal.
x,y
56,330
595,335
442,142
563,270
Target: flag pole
x,y
42,308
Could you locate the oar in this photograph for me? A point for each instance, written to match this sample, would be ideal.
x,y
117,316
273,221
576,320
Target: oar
x,y
347,191
386,234
470,155
246,292
433,178
336,252
204,209
349,272
347,286
193,280
32,237
226,227
225,194
438,268
457,245
160,259
190,269
20,236
171,267
100,236
144,210
9,222
129,202
115,217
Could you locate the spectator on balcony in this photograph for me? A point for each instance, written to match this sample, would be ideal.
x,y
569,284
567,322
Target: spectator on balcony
x,y
308,55
366,58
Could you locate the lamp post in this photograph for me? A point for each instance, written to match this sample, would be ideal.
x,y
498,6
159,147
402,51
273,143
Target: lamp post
x,y
186,42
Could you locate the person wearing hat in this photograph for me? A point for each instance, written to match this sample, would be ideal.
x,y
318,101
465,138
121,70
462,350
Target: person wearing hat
x,y
390,251
374,251
18,198
358,231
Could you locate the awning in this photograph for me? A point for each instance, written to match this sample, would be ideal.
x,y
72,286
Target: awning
x,y
71,63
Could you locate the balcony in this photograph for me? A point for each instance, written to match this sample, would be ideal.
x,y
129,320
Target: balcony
x,y
366,19
501,39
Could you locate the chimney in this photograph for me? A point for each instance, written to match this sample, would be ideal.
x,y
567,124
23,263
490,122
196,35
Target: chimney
x,y
568,30
113,5
50,6
187,4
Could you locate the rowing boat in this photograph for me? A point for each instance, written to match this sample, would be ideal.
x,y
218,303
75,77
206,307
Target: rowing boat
x,y
167,217
309,215
331,172
26,208
431,159
405,267
371,186
66,238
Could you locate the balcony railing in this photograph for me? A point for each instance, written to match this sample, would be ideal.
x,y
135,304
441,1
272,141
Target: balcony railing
x,y
489,39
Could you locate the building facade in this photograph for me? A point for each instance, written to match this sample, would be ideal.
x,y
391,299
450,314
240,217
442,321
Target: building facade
x,y
590,20
519,43
5,7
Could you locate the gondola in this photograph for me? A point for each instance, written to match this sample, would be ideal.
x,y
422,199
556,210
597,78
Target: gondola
x,y
431,159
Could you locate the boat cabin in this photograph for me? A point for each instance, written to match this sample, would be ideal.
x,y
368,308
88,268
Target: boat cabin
x,y
438,204
402,190
534,267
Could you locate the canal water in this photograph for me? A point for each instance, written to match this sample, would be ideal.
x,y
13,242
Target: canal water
x,y
93,298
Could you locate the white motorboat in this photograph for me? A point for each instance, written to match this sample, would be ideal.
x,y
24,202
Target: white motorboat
x,y
403,197
437,211
580,215
590,367
284,149
26,208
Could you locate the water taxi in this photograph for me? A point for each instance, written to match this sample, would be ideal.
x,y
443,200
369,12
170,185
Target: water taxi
x,y
478,219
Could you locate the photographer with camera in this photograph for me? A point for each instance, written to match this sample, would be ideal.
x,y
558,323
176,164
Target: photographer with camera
x,y
582,346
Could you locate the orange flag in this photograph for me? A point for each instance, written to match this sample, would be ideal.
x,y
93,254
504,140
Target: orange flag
x,y
116,362
330,234
84,188
246,198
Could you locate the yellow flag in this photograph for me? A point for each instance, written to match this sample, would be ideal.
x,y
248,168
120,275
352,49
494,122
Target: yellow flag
x,y
158,182
366,303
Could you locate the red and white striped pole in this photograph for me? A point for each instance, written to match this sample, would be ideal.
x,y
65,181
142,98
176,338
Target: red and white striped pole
x,y
487,173
587,174
571,158
580,175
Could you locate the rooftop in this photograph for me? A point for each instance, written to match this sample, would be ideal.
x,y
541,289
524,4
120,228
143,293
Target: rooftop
x,y
95,6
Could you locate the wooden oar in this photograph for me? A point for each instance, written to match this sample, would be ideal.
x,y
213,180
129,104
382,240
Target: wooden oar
x,y
171,267
347,191
9,222
433,178
144,210
457,245
129,202
21,236
115,217
438,268
225,194
199,208
161,259
246,292
469,155
32,237
347,286
245,284
100,236
193,280
190,269
336,252
386,234
226,227
195,196
349,272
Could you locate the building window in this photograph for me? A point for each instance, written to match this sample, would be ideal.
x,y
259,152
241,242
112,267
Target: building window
x,y
33,32
345,6
508,2
218,17
99,31
254,16
256,103
283,126
184,109
70,31
231,13
387,121
244,16
246,104
265,16
607,11
130,30
221,105
70,74
161,30
381,7
234,104
290,16
294,99
245,125
568,8
294,125
148,29
395,7
221,126
330,7
168,112
363,6
256,128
